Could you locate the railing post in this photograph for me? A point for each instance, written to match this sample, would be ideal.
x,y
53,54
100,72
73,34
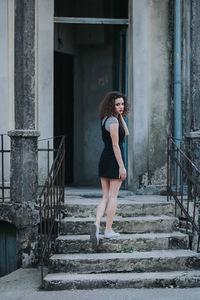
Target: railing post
x,y
2,162
168,158
41,244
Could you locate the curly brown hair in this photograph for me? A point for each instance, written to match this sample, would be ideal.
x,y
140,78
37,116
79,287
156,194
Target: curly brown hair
x,y
107,106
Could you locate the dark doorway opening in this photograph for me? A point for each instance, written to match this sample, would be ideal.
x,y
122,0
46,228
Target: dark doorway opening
x,y
64,107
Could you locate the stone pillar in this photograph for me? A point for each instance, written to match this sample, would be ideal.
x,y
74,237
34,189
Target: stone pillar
x,y
24,165
137,92
24,158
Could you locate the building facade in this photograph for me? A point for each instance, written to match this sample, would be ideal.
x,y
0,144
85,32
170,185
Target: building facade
x,y
59,59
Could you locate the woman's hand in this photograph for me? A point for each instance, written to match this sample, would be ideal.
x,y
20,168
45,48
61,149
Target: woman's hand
x,y
122,173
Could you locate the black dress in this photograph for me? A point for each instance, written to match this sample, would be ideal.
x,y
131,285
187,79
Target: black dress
x,y
108,166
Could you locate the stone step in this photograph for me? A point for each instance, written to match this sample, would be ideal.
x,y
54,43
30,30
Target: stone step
x,y
61,281
90,192
151,261
126,242
143,224
138,206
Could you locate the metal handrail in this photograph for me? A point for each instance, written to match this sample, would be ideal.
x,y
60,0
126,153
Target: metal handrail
x,y
50,199
43,148
183,173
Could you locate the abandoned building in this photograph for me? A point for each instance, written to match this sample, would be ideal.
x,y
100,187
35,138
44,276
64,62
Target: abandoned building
x,y
58,59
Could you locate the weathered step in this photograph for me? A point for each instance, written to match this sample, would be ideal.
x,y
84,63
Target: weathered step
x,y
139,206
124,225
61,281
151,261
126,242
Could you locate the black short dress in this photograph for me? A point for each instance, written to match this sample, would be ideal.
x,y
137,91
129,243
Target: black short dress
x,y
108,166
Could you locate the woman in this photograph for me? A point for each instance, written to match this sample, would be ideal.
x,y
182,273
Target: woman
x,y
111,165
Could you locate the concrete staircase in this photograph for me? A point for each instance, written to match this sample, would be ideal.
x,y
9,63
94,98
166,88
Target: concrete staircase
x,y
150,252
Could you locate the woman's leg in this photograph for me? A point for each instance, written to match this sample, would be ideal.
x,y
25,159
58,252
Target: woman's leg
x,y
94,229
105,183
112,202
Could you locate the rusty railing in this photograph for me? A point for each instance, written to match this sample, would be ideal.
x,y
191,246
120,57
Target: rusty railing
x,y
183,184
46,151
50,199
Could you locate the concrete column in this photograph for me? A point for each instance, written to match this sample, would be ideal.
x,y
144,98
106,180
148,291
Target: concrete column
x,y
137,93
149,94
24,156
24,64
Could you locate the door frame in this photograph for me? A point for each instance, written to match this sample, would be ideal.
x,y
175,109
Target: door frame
x,y
109,21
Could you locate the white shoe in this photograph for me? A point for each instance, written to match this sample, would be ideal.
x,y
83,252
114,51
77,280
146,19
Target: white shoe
x,y
94,235
111,235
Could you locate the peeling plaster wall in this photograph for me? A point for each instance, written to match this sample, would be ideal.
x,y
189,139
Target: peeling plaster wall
x,y
151,95
158,90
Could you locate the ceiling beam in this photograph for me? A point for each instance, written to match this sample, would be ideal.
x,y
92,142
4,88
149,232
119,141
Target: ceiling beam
x,y
106,21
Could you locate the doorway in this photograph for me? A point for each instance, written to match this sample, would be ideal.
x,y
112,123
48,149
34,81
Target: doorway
x,y
93,34
64,107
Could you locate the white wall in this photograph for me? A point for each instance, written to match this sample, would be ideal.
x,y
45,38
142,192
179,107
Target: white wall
x,y
6,76
4,105
45,77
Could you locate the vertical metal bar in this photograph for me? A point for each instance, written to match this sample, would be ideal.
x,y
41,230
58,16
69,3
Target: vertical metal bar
x,y
51,196
188,206
181,178
48,158
41,243
53,207
51,203
177,171
198,242
48,219
168,168
176,176
60,193
44,220
2,163
57,195
194,208
63,175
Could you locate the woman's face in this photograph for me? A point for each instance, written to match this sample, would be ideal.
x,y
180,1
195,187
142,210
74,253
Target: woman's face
x,y
119,106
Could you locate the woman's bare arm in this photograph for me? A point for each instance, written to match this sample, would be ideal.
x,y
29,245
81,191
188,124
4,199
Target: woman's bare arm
x,y
115,144
124,125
